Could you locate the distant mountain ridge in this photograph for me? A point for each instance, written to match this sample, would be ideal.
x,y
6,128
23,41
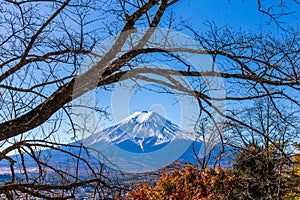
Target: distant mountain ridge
x,y
142,135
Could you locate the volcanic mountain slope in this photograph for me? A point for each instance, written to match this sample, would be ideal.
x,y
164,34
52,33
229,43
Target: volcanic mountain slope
x,y
151,135
141,132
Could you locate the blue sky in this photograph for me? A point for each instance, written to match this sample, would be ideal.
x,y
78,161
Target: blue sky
x,y
235,15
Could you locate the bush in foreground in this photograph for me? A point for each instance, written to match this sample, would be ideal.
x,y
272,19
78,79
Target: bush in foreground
x,y
186,183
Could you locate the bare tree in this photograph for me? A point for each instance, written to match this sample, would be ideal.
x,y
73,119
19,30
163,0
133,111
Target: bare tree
x,y
282,127
43,44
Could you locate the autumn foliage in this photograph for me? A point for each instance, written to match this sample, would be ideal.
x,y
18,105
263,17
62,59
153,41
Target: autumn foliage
x,y
294,176
258,173
186,183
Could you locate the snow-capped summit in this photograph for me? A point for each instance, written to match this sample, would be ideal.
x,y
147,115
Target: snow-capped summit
x,y
143,131
140,116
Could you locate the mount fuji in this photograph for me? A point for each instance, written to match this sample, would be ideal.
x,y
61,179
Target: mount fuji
x,y
147,137
141,132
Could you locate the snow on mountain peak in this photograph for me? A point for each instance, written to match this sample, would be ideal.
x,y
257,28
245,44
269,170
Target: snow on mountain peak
x,y
139,116
143,116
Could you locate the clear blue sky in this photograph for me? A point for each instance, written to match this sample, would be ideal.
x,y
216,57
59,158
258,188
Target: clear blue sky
x,y
235,14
